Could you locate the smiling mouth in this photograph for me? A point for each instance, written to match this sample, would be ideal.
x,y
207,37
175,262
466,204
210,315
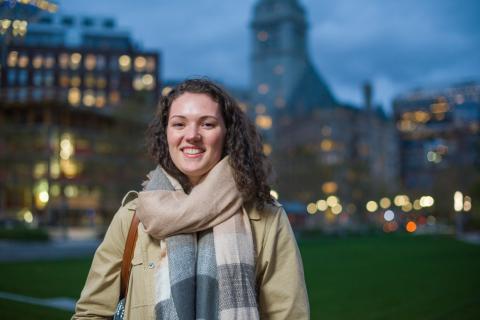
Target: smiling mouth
x,y
192,152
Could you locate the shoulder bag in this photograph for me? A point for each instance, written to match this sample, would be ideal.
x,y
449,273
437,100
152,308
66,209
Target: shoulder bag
x,y
126,267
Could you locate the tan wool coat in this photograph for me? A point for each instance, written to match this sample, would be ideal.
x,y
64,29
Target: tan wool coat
x,y
280,280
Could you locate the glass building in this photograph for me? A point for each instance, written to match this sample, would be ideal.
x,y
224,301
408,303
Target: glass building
x,y
75,96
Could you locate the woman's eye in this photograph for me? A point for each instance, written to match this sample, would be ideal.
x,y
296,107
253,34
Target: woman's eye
x,y
177,125
208,125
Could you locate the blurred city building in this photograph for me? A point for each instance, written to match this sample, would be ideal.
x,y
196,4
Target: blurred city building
x,y
320,146
439,140
74,91
283,79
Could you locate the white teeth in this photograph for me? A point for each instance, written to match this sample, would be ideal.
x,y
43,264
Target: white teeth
x,y
191,151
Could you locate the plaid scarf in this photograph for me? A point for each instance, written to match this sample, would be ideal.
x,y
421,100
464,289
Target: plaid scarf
x,y
208,271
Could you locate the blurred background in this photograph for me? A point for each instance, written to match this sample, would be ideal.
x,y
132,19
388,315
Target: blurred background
x,y
369,112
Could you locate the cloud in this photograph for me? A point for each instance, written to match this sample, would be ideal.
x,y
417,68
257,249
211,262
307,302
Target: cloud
x,y
394,44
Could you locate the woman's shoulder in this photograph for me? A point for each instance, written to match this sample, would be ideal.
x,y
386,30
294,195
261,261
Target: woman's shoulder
x,y
123,217
267,212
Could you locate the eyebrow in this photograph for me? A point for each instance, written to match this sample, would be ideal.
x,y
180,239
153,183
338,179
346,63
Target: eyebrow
x,y
201,118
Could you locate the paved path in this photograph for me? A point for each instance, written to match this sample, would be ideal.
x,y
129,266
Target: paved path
x,y
64,249
66,304
471,237
21,251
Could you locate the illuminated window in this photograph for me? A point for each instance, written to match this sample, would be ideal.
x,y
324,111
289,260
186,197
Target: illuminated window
x,y
40,170
267,149
148,81
101,82
19,28
243,106
166,90
260,108
439,107
4,25
63,60
69,168
140,63
124,62
137,83
75,81
37,61
49,62
151,64
90,62
67,148
89,98
12,58
329,187
74,96
263,121
89,80
101,99
75,59
263,88
421,116
262,36
326,145
406,125
23,61
114,97
71,191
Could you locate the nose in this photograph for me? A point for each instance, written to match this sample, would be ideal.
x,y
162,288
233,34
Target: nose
x,y
192,133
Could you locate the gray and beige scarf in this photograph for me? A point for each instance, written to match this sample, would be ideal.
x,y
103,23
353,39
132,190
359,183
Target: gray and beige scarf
x,y
208,271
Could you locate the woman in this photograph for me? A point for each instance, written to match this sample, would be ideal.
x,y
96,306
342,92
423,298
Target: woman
x,y
212,243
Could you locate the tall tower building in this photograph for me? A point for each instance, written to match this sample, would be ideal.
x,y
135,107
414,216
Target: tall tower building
x,y
318,145
283,78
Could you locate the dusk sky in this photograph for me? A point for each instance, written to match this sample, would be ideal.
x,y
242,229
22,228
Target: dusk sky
x,y
397,45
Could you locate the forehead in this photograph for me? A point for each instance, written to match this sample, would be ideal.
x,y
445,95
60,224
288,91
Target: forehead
x,y
194,104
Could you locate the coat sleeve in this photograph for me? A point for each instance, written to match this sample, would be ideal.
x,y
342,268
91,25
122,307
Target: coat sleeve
x,y
282,289
100,294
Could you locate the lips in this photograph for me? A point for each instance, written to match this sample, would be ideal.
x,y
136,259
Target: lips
x,y
192,152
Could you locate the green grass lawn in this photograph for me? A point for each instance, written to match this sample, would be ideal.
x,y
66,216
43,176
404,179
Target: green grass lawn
x,y
374,277
392,277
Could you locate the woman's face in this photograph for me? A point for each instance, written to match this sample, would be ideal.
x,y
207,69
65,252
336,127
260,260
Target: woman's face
x,y
195,134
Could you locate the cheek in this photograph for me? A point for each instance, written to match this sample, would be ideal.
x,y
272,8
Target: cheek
x,y
172,139
217,142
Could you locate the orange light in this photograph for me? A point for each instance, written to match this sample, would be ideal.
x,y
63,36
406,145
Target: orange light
x,y
411,226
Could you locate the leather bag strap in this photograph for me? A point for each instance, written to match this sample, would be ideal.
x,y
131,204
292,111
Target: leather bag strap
x,y
127,255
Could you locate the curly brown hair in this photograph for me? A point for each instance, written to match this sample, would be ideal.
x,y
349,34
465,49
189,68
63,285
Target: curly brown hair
x,y
242,142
